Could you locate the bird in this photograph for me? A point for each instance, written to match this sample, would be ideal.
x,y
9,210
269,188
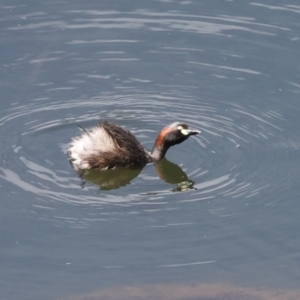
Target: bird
x,y
108,146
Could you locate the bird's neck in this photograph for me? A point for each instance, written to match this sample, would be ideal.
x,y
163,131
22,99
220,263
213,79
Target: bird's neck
x,y
159,150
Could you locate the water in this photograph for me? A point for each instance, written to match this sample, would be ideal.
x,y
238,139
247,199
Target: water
x,y
229,69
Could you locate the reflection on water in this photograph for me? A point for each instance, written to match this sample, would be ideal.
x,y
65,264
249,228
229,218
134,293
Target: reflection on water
x,y
173,174
113,179
109,179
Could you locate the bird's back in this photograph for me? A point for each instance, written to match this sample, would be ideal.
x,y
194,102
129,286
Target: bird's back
x,y
107,146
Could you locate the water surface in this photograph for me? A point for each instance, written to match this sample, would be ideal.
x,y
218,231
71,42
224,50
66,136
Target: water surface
x,y
229,69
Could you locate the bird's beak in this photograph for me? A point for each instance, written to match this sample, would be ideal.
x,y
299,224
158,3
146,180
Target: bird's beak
x,y
192,131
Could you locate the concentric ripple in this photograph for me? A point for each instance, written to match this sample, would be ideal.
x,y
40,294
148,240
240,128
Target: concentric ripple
x,y
217,160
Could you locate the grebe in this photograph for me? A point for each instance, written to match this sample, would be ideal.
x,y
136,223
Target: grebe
x,y
109,146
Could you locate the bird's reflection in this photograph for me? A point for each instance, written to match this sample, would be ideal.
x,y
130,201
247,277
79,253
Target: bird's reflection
x,y
173,174
113,179
109,179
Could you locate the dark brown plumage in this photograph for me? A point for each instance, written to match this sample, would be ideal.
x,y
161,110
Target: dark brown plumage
x,y
109,146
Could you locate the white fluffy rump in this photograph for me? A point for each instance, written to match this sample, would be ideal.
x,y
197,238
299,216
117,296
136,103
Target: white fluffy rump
x,y
90,143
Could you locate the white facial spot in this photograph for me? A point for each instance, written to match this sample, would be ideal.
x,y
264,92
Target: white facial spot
x,y
183,131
